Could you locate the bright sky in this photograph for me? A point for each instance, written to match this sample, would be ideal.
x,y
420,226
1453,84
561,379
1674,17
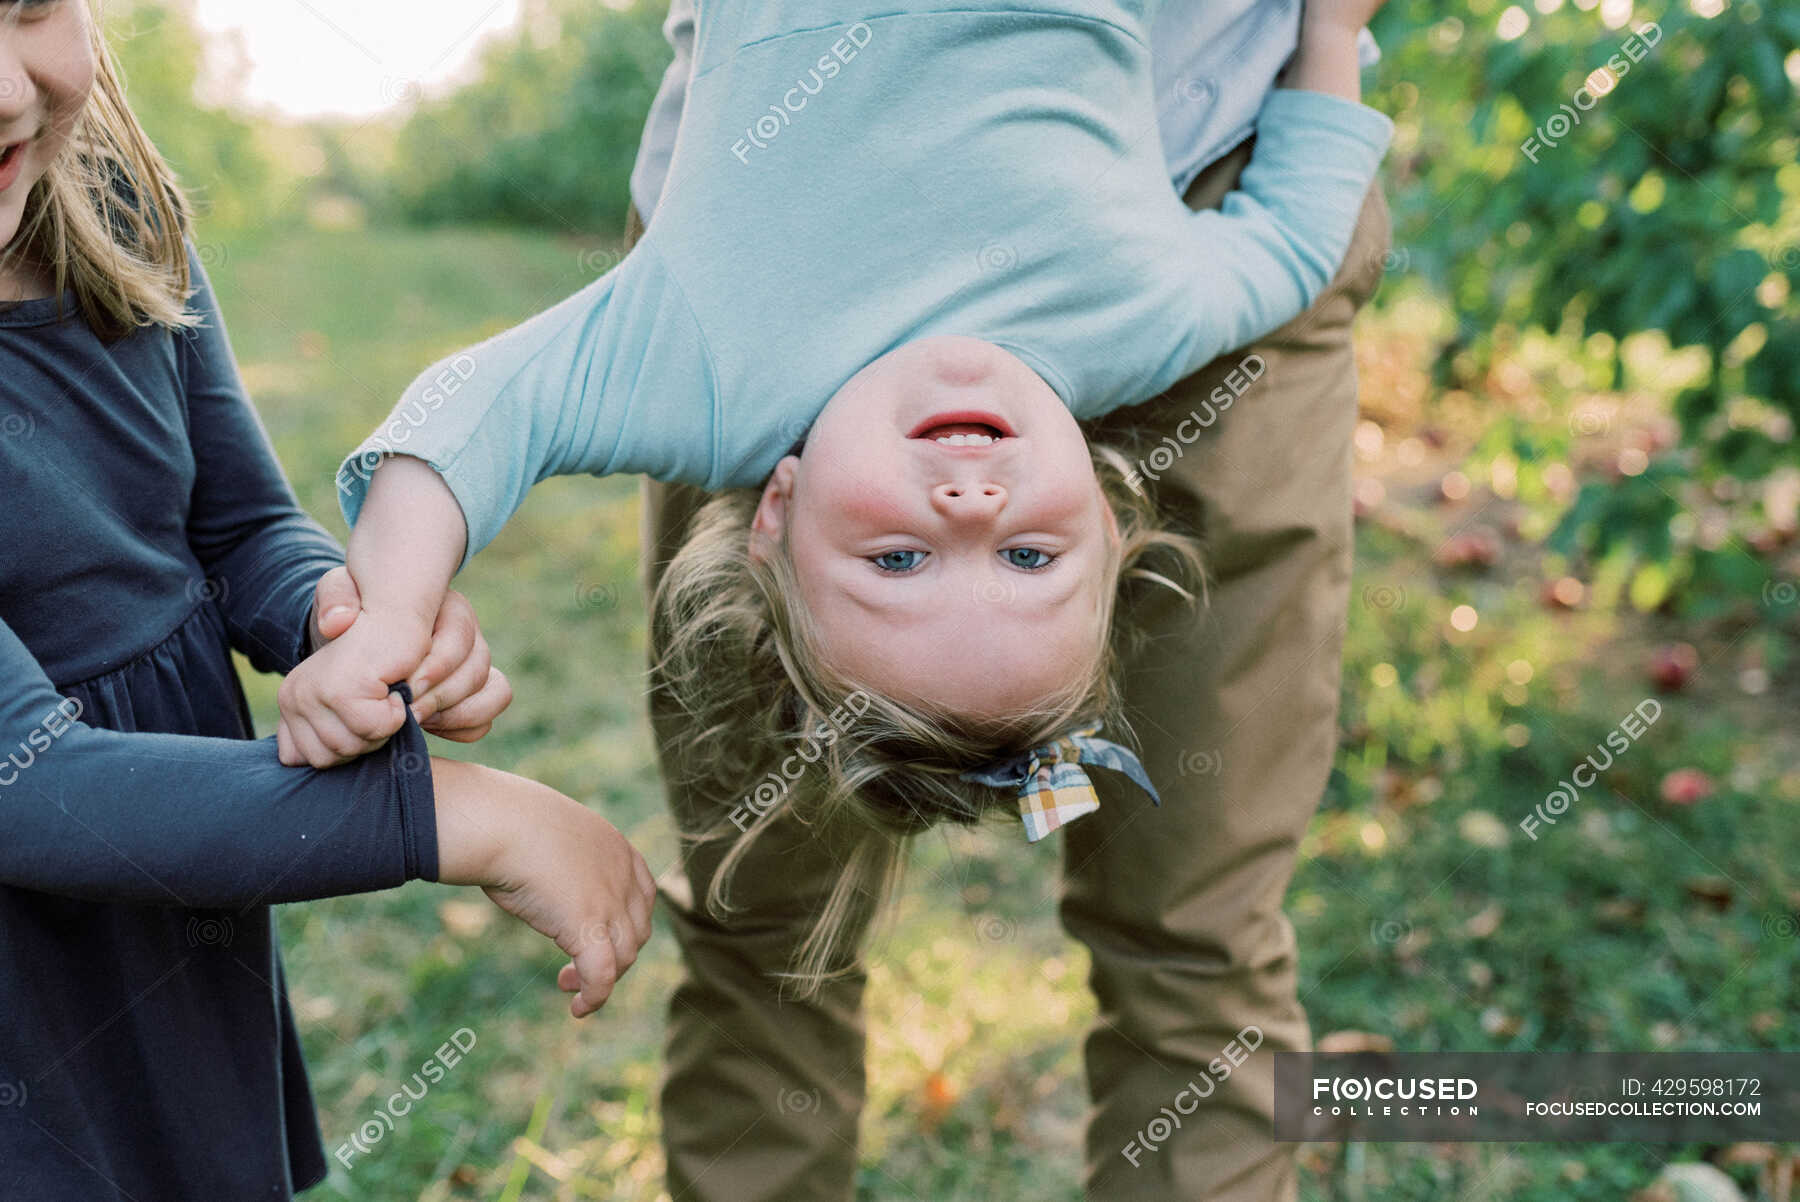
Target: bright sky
x,y
312,57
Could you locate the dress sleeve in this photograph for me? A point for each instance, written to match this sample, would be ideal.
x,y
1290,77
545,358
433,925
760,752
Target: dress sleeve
x,y
1268,252
176,820
261,553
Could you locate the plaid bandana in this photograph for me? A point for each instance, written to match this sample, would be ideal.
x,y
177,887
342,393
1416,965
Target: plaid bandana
x,y
1054,789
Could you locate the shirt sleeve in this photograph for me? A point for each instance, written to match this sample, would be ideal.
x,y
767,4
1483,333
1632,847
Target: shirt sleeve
x,y
1268,252
657,147
176,820
261,553
616,378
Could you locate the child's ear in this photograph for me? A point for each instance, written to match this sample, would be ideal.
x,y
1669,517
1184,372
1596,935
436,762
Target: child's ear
x,y
770,522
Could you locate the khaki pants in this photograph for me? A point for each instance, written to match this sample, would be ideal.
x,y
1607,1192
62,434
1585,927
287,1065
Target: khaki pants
x,y
1235,709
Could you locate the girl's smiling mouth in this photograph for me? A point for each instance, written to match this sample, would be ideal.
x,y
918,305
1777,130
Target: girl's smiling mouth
x,y
963,429
12,161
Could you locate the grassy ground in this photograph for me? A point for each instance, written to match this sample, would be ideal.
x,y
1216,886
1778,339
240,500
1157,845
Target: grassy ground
x,y
1424,914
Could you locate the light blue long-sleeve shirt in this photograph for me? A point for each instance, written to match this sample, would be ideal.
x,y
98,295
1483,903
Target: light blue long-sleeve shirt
x,y
1213,62
847,180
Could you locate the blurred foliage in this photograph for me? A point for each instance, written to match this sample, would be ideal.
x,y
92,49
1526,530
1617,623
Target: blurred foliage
x,y
219,155
546,135
1664,197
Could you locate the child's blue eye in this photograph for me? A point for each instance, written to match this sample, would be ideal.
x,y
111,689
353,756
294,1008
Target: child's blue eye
x,y
1028,558
899,561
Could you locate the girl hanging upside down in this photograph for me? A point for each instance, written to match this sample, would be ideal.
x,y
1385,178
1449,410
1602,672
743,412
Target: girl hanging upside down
x,y
899,253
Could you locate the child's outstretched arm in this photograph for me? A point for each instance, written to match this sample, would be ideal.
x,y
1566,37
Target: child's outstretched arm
x,y
615,378
219,824
553,863
402,554
1269,251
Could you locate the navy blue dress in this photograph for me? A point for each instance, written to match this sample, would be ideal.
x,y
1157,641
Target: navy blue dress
x,y
147,1049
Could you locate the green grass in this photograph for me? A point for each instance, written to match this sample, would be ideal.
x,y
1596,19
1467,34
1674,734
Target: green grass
x,y
1423,913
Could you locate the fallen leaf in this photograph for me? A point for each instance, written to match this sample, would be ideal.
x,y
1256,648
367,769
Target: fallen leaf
x,y
1412,943
939,1097
1715,891
1477,548
1483,829
1353,1041
1672,666
1499,1024
1317,1158
1480,926
1624,910
1685,786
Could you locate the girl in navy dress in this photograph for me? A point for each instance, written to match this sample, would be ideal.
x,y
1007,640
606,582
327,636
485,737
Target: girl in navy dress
x,y
147,1049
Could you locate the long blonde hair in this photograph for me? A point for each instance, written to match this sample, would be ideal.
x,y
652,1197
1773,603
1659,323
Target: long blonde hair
x,y
108,219
736,660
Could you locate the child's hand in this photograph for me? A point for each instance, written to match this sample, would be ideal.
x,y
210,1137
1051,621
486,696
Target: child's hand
x,y
457,691
336,705
551,861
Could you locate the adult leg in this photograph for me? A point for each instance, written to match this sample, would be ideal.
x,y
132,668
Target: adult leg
x,y
1234,705
762,1093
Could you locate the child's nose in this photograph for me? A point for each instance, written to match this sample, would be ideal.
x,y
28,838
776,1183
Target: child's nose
x,y
17,94
968,500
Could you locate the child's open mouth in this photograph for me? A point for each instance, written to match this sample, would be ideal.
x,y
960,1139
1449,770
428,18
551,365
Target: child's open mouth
x,y
963,429
11,160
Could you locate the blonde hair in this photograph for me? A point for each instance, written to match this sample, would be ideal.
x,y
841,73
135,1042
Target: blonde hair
x,y
108,219
736,659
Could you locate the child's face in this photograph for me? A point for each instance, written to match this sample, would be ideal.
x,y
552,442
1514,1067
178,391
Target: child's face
x,y
46,72
969,574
